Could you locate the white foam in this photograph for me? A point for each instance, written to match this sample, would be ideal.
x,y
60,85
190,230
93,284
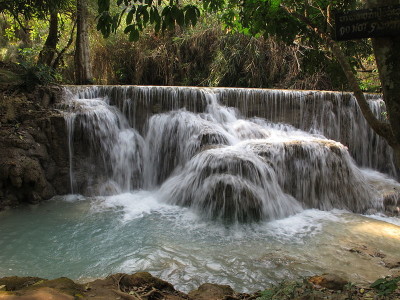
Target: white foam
x,y
133,205
70,198
383,218
307,223
381,181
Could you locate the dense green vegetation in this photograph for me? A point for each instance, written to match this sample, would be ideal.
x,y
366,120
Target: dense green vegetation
x,y
208,54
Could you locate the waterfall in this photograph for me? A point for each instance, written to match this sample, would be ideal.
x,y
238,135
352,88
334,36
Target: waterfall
x,y
110,151
234,155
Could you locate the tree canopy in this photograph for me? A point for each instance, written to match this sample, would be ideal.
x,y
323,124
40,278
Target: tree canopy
x,y
27,9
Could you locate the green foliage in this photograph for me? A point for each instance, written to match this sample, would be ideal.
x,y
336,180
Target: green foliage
x,y
29,9
290,21
140,13
386,286
254,17
34,75
283,291
266,295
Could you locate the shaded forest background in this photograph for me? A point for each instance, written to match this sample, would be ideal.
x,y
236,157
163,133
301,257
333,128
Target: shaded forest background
x,y
207,54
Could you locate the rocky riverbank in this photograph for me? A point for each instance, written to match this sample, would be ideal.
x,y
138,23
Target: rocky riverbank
x,y
143,286
33,148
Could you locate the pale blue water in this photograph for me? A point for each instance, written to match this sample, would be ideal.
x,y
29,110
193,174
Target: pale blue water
x,y
86,238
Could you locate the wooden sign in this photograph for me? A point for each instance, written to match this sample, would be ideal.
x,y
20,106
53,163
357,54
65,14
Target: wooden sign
x,y
365,23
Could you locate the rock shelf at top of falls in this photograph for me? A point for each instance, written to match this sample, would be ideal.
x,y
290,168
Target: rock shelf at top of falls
x,y
211,158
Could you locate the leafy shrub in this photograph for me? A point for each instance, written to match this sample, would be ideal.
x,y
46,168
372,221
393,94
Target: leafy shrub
x,y
34,75
385,286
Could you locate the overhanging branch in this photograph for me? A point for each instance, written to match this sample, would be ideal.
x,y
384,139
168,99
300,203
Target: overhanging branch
x,y
381,128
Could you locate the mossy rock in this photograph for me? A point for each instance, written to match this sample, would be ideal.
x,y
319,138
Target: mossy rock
x,y
62,284
209,291
329,281
9,78
145,279
15,283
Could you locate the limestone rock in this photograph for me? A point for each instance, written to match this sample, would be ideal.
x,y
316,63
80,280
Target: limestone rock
x,y
13,283
142,279
209,291
62,284
40,294
329,281
33,151
318,173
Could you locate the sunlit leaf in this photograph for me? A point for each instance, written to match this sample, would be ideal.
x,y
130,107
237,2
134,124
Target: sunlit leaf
x,y
274,5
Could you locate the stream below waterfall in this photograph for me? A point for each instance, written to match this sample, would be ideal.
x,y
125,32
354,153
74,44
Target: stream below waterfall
x,y
85,238
179,183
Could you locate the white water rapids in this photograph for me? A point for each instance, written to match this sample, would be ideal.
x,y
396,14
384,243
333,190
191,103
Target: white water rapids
x,y
193,191
215,161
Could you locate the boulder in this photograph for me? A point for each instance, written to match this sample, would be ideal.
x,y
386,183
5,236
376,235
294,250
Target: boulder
x,y
145,279
329,281
209,291
13,283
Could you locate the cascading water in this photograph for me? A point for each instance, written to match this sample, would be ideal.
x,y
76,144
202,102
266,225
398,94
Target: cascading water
x,y
195,185
108,144
332,114
212,159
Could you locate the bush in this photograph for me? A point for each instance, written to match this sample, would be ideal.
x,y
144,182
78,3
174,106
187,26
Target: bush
x,y
34,75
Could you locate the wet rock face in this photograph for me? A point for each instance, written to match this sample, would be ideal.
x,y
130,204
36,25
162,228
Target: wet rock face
x,y
319,174
33,151
231,186
391,202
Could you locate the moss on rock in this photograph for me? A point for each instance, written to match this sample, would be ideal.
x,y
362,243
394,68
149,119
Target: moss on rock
x,y
13,283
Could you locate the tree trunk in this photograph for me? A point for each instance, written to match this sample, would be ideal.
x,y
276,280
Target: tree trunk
x,y
59,59
49,50
386,50
25,35
83,72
